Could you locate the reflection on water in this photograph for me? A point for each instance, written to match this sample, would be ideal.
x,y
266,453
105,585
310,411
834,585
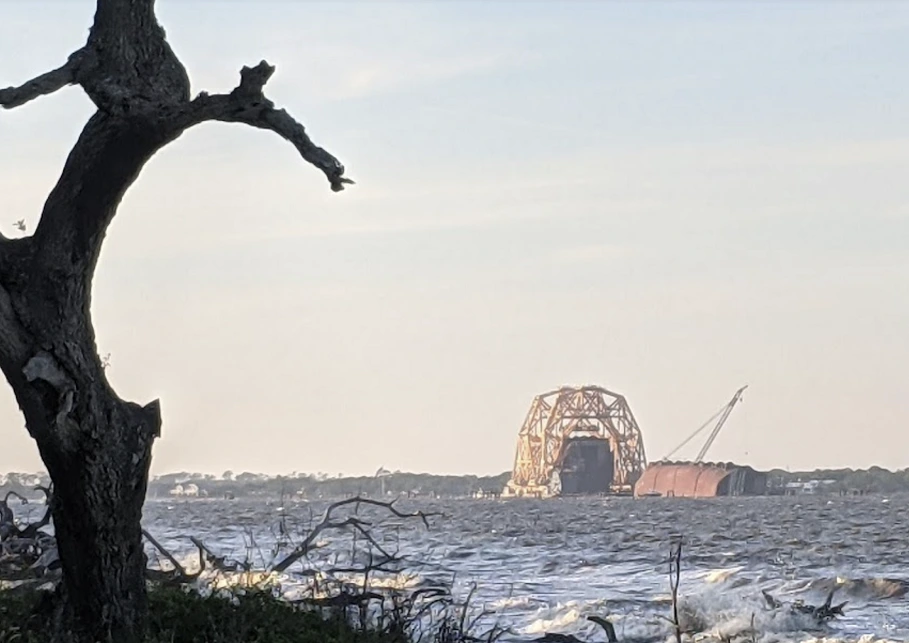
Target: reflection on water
x,y
546,565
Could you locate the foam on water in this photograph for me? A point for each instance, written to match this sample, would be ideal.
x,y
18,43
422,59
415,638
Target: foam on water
x,y
545,566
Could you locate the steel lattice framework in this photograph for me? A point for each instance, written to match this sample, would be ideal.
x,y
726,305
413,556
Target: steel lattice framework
x,y
587,410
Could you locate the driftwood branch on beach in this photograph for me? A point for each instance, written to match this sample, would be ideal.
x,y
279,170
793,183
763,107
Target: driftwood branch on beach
x,y
26,552
385,563
329,522
607,626
824,612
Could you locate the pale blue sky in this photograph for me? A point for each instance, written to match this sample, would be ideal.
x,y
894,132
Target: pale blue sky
x,y
667,199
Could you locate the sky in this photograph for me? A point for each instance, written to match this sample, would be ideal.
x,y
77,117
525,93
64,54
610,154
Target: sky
x,y
670,200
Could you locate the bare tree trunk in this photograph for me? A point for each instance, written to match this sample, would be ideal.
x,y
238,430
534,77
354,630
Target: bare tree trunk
x,y
100,475
97,511
97,447
97,517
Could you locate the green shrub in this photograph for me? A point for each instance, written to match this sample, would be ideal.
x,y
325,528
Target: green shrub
x,y
176,616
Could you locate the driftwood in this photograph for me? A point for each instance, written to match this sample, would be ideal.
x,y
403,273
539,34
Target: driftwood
x,y
386,563
554,637
29,554
26,552
342,600
31,530
178,575
7,519
219,563
550,637
394,610
327,522
675,572
825,612
607,626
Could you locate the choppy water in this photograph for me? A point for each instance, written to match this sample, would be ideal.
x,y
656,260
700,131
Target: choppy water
x,y
545,565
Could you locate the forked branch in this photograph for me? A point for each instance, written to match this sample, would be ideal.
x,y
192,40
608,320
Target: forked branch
x,y
247,104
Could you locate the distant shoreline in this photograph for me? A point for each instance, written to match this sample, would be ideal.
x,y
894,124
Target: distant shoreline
x,y
423,485
874,480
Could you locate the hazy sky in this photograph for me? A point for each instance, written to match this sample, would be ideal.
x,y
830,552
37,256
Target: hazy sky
x,y
667,199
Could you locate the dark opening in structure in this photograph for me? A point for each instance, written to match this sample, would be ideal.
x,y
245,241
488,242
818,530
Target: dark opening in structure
x,y
588,466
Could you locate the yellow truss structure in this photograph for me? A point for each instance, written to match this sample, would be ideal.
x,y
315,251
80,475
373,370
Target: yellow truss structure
x,y
590,411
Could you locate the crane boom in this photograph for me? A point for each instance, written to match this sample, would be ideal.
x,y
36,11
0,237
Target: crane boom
x,y
693,435
719,425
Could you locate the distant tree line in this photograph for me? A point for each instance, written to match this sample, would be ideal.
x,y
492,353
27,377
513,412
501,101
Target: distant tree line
x,y
833,481
873,480
385,484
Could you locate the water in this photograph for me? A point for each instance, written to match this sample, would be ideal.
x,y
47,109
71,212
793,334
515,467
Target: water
x,y
545,565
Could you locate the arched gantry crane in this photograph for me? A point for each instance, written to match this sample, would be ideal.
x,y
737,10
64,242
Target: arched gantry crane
x,y
555,418
723,415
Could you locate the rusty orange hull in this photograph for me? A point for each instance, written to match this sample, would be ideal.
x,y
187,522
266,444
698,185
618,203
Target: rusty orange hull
x,y
699,480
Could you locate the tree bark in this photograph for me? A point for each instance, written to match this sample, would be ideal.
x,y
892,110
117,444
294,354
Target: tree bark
x,y
97,517
97,447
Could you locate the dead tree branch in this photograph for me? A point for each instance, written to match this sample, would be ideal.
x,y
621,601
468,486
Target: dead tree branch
x,y
607,626
42,85
247,104
31,530
555,637
822,613
675,568
26,552
183,576
218,562
327,523
207,560
341,600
